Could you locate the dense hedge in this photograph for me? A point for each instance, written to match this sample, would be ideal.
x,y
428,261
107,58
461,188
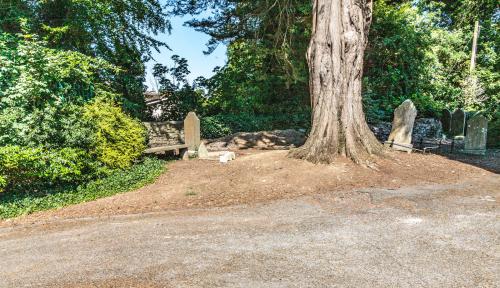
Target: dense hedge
x,y
113,140
36,167
223,124
19,202
494,131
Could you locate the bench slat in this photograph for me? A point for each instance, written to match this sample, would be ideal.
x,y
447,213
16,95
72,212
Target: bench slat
x,y
165,148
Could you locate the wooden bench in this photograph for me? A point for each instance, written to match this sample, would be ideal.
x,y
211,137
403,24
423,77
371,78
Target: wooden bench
x,y
181,149
192,139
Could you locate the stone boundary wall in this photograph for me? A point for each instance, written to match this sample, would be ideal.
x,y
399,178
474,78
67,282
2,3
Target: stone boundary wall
x,y
423,128
173,133
165,133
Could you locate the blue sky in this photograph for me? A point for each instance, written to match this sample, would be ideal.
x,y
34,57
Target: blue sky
x,y
190,44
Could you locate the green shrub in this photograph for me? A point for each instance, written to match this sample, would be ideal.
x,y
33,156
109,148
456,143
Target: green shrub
x,y
119,139
36,167
3,183
42,92
222,125
494,131
212,127
18,202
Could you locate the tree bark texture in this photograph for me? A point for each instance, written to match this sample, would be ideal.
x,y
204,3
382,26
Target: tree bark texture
x,y
335,58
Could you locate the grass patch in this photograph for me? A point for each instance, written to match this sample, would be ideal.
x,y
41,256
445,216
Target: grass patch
x,y
17,203
190,193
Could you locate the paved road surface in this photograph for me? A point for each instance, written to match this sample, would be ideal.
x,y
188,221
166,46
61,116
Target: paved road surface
x,y
434,236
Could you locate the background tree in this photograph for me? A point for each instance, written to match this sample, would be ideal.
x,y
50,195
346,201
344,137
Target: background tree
x,y
117,31
266,70
179,96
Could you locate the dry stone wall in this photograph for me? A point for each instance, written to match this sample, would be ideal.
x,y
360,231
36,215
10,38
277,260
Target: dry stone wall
x,y
165,133
423,128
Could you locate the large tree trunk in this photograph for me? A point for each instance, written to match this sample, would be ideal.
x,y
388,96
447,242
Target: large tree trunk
x,y
335,57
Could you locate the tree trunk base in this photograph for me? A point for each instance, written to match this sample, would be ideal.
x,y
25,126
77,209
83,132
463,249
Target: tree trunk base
x,y
335,58
361,153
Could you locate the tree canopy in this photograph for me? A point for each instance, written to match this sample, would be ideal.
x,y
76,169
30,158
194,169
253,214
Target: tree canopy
x,y
119,32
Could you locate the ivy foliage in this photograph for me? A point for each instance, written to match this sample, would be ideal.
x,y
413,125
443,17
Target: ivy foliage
x,y
22,202
38,167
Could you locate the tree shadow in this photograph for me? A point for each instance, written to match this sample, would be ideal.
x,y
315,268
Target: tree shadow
x,y
489,162
266,140
453,150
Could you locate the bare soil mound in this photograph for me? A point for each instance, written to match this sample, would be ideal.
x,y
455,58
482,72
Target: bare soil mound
x,y
264,140
260,176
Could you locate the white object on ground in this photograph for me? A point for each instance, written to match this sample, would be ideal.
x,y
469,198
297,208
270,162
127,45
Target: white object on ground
x,y
226,157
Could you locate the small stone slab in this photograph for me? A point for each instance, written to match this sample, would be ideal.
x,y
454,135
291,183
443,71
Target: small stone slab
x,y
477,135
202,151
457,128
402,127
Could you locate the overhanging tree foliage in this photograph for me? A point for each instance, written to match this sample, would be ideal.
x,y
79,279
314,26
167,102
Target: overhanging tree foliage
x,y
117,31
266,71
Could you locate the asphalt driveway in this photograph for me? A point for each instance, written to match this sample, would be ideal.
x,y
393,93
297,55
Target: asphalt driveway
x,y
431,236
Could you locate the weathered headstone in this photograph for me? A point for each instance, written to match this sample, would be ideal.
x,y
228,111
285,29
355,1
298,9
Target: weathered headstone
x,y
446,121
469,115
402,127
477,134
192,131
457,123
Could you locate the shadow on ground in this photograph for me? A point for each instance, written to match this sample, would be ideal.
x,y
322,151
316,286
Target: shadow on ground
x,y
490,161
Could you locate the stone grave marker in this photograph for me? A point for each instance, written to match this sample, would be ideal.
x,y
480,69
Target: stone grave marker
x,y
469,115
192,131
457,123
446,121
477,134
203,151
402,127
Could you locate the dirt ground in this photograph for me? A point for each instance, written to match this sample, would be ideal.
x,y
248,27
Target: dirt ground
x,y
260,176
265,220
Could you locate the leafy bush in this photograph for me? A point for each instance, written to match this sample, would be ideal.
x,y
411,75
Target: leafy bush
x,y
119,139
223,125
42,91
3,183
54,127
213,127
494,131
36,167
18,202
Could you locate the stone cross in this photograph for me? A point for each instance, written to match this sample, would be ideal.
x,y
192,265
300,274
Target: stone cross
x,y
192,131
477,134
446,121
457,123
402,127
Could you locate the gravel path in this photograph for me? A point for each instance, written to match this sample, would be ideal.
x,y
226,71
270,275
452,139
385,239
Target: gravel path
x,y
430,236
